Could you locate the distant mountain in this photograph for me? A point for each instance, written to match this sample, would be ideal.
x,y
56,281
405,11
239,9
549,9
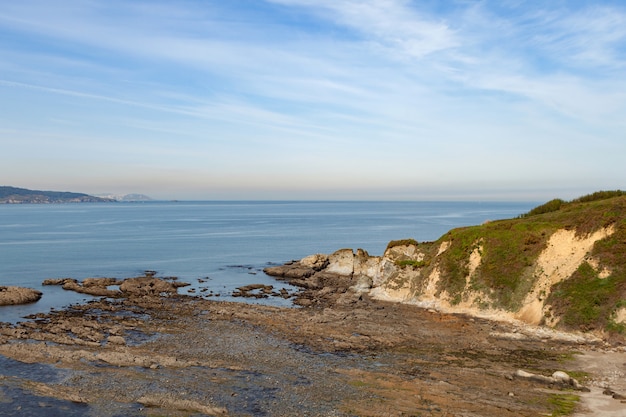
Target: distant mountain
x,y
126,197
14,195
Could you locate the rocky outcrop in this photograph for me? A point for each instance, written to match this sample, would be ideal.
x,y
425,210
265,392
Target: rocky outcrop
x,y
147,285
418,273
18,295
327,278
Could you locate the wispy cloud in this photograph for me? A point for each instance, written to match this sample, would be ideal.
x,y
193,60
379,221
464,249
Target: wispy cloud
x,y
392,24
380,82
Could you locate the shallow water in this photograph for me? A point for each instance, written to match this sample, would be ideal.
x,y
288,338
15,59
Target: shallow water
x,y
225,244
17,401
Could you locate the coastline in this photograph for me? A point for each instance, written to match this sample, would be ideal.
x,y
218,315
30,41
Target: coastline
x,y
341,353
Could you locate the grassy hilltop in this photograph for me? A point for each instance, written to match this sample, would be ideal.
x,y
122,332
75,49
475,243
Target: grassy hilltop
x,y
564,261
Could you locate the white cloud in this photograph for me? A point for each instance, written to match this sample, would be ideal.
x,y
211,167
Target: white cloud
x,y
386,91
392,24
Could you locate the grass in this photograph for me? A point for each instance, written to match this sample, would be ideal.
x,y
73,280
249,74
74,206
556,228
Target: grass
x,y
587,298
412,263
563,404
402,242
509,250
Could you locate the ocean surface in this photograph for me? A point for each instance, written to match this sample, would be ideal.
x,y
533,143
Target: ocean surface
x,y
216,246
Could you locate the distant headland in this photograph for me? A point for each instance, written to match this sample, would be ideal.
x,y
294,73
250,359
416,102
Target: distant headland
x,y
14,195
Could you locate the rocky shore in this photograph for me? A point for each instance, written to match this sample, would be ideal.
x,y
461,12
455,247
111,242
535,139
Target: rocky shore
x,y
141,349
18,295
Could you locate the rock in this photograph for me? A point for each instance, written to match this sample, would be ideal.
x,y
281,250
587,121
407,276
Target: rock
x,y
558,377
57,281
562,377
116,340
363,284
18,295
303,302
341,262
349,298
169,401
100,282
254,291
147,286
367,265
291,270
92,286
317,262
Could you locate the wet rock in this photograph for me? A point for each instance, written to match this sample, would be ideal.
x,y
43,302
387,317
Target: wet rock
x,y
57,281
46,390
148,286
100,282
290,270
170,402
116,340
254,291
95,286
18,295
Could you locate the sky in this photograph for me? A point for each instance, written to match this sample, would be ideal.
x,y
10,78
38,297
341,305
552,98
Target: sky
x,y
314,99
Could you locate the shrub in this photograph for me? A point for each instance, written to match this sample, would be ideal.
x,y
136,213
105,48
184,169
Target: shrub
x,y
402,242
549,207
599,195
557,203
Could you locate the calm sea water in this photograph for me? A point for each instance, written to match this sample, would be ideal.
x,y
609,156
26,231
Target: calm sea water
x,y
226,244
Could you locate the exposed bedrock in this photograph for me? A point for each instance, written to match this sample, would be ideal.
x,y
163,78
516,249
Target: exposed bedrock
x,y
18,295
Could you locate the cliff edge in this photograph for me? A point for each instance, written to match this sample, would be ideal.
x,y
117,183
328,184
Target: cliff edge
x,y
561,265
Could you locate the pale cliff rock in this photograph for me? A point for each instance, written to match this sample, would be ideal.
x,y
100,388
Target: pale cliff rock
x,y
565,253
341,262
411,272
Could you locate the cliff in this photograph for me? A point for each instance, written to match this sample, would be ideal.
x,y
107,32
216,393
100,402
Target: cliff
x,y
14,195
562,265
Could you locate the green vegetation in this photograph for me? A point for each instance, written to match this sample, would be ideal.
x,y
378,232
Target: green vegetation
x,y
563,404
412,263
585,299
508,269
402,242
557,203
508,250
549,207
599,195
22,195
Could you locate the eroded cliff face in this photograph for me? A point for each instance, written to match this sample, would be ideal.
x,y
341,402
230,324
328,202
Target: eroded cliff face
x,y
417,273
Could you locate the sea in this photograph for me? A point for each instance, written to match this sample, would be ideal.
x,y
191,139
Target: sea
x,y
215,246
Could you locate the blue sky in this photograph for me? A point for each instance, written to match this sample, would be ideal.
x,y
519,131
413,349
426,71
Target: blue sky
x,y
314,99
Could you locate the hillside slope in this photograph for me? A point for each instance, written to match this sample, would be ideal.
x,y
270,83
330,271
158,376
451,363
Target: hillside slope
x,y
562,265
564,268
14,195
